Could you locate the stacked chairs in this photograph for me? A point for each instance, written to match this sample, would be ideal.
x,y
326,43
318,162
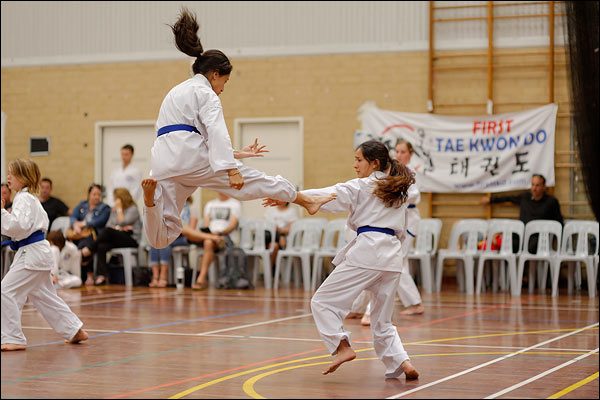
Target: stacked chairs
x,y
579,232
334,239
253,242
61,224
548,232
468,232
506,228
425,248
303,241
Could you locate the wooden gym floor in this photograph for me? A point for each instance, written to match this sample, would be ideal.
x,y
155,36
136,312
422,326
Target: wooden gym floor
x,y
164,343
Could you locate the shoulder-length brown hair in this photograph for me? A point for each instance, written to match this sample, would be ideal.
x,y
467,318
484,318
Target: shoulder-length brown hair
x,y
27,172
125,197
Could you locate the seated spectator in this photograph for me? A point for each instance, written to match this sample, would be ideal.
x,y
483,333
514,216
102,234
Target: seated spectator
x,y
533,204
221,217
161,258
6,196
54,207
123,229
67,266
282,216
89,216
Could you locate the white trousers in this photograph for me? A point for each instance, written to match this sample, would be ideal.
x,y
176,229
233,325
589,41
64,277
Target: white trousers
x,y
162,223
67,280
17,286
332,301
407,292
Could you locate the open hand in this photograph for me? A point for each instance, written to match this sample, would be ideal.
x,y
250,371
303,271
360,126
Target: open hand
x,y
253,150
269,202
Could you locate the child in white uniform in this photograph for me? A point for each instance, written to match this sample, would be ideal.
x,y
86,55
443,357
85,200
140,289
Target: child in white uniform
x,y
29,274
373,261
193,148
66,272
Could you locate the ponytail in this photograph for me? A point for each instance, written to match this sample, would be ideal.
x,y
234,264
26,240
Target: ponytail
x,y
393,189
188,42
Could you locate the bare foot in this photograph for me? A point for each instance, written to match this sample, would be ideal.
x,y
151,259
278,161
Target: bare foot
x,y
416,309
313,203
13,347
149,186
410,371
344,354
354,315
80,336
366,320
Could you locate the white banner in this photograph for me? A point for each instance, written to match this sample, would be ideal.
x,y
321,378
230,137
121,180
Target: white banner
x,y
491,153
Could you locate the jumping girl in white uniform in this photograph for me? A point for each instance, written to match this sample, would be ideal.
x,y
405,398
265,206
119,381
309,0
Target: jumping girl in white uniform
x,y
373,261
29,274
193,148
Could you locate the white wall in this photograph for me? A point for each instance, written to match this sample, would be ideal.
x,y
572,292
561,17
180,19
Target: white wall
x,y
63,32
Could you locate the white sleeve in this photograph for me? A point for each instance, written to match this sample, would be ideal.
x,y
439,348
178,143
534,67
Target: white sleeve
x,y
17,224
220,150
236,209
56,257
346,195
414,195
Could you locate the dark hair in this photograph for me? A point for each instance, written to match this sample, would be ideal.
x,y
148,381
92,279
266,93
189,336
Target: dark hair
x,y
95,185
541,177
393,189
128,147
45,179
188,42
56,238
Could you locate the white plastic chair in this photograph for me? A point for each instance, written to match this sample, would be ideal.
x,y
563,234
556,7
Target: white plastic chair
x,y
425,248
505,227
253,242
60,224
471,230
130,257
547,231
304,240
195,253
334,239
581,253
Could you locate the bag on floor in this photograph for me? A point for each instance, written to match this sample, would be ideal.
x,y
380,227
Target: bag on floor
x,y
234,275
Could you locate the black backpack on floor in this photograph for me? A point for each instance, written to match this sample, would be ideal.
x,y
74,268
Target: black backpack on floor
x,y
234,275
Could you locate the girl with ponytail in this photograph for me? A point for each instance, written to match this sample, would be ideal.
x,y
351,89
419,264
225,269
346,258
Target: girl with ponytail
x,y
193,149
373,261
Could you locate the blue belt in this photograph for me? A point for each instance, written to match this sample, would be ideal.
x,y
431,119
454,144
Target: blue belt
x,y
368,228
36,236
411,206
179,127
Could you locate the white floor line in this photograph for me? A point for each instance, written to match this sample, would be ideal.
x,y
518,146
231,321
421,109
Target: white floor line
x,y
283,338
535,378
141,297
272,321
406,393
492,347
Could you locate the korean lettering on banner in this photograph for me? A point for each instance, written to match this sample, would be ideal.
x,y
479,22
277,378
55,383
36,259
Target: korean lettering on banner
x,y
491,153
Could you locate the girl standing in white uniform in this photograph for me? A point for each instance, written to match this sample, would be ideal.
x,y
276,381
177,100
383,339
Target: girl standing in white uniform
x,y
29,274
193,148
373,261
407,289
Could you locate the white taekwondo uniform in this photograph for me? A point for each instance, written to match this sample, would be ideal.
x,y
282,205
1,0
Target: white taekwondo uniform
x,y
407,289
372,261
29,274
184,160
67,265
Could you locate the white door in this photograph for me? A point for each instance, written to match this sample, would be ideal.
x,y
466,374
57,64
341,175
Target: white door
x,y
284,140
